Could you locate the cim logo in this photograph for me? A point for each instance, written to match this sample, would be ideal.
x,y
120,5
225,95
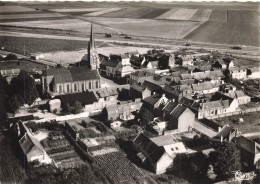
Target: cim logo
x,y
239,176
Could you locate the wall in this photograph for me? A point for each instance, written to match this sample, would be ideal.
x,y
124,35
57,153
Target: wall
x,y
165,162
186,120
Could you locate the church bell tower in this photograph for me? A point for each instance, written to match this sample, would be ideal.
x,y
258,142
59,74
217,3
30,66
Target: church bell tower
x,y
93,58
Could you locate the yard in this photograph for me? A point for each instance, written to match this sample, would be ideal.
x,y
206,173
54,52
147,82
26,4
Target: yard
x,y
250,124
22,65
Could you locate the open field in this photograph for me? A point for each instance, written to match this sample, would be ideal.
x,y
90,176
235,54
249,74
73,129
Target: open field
x,y
25,16
15,9
227,23
101,12
228,33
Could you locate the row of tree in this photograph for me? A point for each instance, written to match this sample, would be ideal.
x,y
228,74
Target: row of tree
x,y
21,90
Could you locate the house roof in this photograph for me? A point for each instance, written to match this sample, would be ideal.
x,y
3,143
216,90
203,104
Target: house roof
x,y
141,73
152,99
185,76
85,98
186,101
177,112
110,62
31,145
137,61
187,81
149,148
168,108
205,86
138,88
224,132
248,145
105,92
164,140
171,90
153,85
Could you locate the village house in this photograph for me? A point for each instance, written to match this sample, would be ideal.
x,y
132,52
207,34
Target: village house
x,y
180,117
153,85
167,61
224,63
121,111
139,77
137,61
184,88
250,151
116,66
84,98
187,60
226,133
172,93
238,73
106,94
240,95
205,87
217,107
137,91
155,101
33,150
152,155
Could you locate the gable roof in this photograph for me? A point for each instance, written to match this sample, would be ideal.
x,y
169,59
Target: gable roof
x,y
110,62
62,75
85,98
152,99
224,132
31,145
177,112
168,108
141,73
248,145
138,88
149,148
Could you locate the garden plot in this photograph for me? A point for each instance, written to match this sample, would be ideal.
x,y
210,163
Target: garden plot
x,y
102,12
30,16
14,9
202,15
68,10
183,14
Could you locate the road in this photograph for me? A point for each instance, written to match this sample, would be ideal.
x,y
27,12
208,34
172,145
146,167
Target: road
x,y
250,50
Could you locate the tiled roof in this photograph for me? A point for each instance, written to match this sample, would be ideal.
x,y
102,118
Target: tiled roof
x,y
30,144
141,73
247,144
224,132
168,108
186,76
152,99
62,74
85,98
205,86
138,88
149,148
177,112
110,62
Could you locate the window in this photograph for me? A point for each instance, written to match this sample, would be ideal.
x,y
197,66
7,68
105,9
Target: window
x,y
176,148
97,84
75,87
83,86
68,88
60,88
172,149
89,85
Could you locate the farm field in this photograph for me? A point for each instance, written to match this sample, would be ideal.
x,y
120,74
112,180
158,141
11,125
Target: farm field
x,y
228,33
15,9
243,16
101,12
146,27
25,16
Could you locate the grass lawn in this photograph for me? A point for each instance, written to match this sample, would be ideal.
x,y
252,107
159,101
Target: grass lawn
x,y
250,124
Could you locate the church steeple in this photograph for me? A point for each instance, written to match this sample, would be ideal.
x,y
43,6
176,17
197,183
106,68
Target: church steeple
x,y
93,58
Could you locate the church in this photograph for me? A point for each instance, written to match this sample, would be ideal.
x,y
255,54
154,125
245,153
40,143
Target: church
x,y
61,80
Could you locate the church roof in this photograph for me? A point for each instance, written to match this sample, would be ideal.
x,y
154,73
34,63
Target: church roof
x,y
62,75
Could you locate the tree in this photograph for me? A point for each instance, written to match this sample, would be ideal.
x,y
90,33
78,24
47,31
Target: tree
x,y
225,160
145,115
78,107
13,103
25,86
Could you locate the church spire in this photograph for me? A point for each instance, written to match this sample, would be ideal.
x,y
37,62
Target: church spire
x,y
91,41
93,58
